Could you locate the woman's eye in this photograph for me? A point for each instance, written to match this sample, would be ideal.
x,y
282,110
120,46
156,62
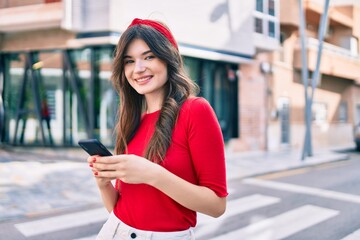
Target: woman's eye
x,y
128,61
149,57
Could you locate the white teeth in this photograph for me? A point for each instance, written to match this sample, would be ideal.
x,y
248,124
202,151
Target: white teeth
x,y
143,79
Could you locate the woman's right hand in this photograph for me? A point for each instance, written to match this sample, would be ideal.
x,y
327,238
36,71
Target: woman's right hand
x,y
108,193
101,182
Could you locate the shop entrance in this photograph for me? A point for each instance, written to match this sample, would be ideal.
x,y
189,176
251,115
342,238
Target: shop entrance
x,y
58,97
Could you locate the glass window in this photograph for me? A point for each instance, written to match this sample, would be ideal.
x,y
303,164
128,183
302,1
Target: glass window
x,y
282,37
284,117
219,88
49,102
78,96
259,5
192,68
343,112
207,89
271,28
109,99
94,110
258,25
271,7
354,46
319,113
51,95
32,98
13,76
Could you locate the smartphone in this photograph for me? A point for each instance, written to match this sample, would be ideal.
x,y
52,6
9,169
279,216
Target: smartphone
x,y
94,147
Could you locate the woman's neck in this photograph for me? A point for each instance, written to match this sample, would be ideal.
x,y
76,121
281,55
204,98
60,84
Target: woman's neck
x,y
153,104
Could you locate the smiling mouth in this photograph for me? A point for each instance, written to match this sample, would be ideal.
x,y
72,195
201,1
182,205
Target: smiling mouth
x,y
143,80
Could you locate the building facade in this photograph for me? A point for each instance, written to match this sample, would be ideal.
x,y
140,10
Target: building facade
x,y
336,106
56,60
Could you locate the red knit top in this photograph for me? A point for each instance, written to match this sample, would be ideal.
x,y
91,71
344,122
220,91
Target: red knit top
x,y
196,154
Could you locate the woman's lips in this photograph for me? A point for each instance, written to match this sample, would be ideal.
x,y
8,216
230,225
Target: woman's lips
x,y
143,80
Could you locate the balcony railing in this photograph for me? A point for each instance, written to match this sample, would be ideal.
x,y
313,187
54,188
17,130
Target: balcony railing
x,y
335,60
314,44
333,2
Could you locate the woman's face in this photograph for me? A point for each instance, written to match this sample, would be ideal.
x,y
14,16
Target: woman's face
x,y
146,73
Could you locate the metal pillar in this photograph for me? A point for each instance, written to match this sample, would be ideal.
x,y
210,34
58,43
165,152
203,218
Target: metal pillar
x,y
307,148
22,112
75,85
2,108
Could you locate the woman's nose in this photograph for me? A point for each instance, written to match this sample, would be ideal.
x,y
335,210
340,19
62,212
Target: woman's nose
x,y
139,66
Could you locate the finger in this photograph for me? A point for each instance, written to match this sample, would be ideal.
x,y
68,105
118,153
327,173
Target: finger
x,y
110,159
92,159
105,174
95,170
91,163
104,166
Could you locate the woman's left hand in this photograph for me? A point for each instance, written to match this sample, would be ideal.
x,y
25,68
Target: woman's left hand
x,y
128,168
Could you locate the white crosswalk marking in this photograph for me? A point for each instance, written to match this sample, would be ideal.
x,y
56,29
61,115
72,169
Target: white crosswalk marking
x,y
234,207
52,224
353,236
305,190
277,227
283,225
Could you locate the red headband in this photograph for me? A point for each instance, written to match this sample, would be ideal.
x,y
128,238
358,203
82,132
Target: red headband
x,y
158,26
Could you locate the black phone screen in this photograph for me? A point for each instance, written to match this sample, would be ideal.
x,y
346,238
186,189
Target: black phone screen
x,y
94,147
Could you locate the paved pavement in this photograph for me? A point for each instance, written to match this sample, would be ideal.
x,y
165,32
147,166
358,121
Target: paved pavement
x,y
38,181
248,164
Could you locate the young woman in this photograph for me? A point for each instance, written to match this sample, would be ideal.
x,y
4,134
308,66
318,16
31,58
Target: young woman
x,y
169,161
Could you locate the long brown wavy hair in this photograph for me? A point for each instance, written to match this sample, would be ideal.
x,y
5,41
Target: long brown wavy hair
x,y
177,89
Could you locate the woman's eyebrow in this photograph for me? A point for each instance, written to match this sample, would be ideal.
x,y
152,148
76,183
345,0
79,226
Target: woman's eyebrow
x,y
144,53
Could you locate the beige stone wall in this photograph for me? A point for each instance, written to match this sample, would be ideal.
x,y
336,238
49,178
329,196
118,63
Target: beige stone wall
x,y
332,91
17,3
356,21
322,136
217,24
355,100
45,39
287,84
289,12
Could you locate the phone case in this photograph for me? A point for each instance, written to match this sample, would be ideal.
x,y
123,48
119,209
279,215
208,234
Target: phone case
x,y
94,147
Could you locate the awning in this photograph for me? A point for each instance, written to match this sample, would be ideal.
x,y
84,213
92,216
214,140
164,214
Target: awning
x,y
185,49
215,55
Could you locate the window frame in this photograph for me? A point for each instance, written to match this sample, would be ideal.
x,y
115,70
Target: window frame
x,y
267,19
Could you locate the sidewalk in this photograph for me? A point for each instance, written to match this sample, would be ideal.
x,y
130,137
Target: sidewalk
x,y
37,181
249,164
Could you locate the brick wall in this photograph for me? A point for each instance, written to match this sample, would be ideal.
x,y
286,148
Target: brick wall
x,y
252,109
